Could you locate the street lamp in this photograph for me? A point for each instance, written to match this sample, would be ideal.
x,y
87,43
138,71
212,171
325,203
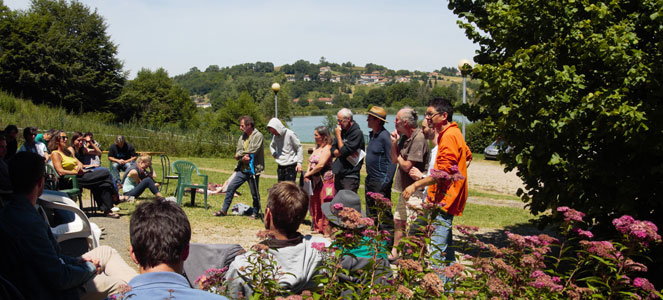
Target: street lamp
x,y
464,66
276,87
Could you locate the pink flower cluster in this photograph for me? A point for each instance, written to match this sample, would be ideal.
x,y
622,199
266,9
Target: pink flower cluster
x,y
380,199
571,214
642,231
454,270
583,233
319,246
455,175
543,280
603,249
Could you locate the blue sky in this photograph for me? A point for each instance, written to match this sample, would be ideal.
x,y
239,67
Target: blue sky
x,y
177,35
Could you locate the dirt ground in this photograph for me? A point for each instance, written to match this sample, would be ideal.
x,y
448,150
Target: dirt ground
x,y
483,175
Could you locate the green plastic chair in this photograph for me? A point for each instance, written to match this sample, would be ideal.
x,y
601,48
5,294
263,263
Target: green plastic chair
x,y
184,171
74,192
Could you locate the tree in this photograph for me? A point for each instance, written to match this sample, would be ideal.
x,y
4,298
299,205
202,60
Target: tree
x,y
154,99
58,52
241,106
575,88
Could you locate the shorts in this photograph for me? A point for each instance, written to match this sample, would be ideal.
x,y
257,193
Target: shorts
x,y
403,210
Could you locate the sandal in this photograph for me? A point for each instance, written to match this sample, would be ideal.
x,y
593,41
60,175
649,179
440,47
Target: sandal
x,y
112,215
219,213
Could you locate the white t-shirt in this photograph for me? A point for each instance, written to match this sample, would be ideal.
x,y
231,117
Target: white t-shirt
x,y
41,149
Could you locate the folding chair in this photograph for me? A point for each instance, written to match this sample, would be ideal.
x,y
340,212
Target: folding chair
x,y
166,173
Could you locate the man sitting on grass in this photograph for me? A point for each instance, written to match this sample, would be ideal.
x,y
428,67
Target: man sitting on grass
x,y
160,234
287,205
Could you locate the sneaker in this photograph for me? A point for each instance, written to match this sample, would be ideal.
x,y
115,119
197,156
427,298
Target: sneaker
x,y
115,209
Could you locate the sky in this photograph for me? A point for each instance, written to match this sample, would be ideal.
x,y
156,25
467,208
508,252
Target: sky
x,y
178,35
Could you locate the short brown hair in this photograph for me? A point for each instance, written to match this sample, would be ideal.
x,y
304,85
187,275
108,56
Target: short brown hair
x,y
288,204
248,120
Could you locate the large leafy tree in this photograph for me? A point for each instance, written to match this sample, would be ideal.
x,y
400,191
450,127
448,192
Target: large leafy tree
x,y
154,99
58,52
575,88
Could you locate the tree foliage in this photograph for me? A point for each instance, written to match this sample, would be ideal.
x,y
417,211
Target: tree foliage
x,y
575,88
154,99
58,52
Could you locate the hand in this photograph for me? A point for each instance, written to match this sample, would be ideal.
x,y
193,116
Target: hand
x,y
306,179
415,174
299,169
394,136
408,191
88,139
246,158
95,262
338,130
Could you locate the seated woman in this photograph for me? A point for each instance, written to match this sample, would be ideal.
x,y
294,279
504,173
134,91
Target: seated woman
x,y
140,177
99,182
83,155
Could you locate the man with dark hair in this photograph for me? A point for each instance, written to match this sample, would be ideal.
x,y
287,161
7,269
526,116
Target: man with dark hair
x,y
452,152
250,156
160,233
32,261
287,206
121,155
31,145
348,148
93,156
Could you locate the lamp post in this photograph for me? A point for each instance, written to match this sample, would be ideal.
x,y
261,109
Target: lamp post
x,y
464,66
276,87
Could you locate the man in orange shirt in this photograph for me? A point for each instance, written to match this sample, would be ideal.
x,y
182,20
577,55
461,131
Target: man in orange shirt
x,y
452,152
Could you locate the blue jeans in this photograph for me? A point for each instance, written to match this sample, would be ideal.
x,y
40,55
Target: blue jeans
x,y
116,168
240,178
146,183
441,240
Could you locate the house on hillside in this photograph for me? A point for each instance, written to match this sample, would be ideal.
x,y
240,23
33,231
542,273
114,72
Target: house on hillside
x,y
324,70
328,101
290,77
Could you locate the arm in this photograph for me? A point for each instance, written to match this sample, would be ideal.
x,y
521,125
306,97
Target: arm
x,y
351,145
112,152
134,175
325,156
58,272
57,164
339,139
300,150
94,151
272,148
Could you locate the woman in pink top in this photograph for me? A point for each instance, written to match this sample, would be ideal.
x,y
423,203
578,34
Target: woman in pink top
x,y
319,164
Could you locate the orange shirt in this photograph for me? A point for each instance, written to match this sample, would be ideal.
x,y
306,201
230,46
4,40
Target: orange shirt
x,y
451,150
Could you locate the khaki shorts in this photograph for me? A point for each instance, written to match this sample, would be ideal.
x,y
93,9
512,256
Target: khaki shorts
x,y
403,211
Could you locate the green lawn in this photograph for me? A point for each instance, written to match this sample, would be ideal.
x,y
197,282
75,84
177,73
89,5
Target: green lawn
x,y
484,216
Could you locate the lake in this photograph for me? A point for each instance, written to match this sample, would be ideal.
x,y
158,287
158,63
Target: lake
x,y
304,126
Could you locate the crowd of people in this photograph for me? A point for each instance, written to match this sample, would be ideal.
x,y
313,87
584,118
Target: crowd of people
x,y
160,231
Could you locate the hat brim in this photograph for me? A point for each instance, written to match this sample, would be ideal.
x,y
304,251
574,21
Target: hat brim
x,y
377,116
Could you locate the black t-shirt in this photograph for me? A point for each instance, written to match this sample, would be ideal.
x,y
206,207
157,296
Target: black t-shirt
x,y
125,152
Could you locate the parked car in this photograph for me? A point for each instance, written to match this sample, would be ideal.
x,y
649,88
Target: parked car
x,y
494,149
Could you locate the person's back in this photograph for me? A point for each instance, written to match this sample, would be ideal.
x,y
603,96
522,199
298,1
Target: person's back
x,y
160,233
287,205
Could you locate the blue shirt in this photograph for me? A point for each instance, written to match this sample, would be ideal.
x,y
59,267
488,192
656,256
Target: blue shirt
x,y
378,158
162,285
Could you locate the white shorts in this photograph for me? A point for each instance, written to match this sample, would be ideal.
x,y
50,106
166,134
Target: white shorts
x,y
404,212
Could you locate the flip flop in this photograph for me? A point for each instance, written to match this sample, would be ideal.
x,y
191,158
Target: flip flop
x,y
112,215
219,213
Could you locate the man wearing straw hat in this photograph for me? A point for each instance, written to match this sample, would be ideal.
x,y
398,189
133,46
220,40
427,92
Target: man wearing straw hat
x,y
379,167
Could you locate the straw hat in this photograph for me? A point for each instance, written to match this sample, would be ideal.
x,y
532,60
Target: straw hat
x,y
378,112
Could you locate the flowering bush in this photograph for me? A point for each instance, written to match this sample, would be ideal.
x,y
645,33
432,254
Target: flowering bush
x,y
530,267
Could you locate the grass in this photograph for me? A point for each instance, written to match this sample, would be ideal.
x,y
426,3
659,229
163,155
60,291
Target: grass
x,y
218,169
